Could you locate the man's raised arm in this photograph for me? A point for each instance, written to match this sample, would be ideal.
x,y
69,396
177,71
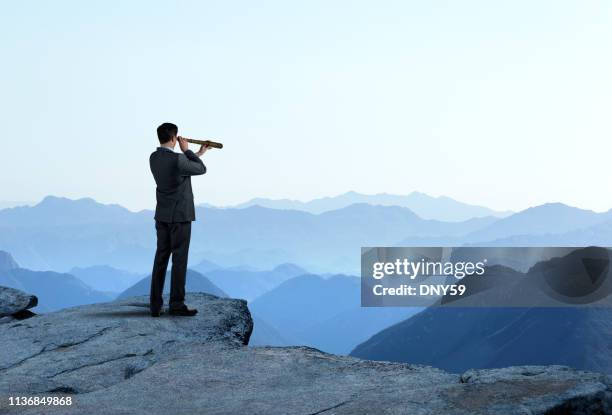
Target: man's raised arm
x,y
189,164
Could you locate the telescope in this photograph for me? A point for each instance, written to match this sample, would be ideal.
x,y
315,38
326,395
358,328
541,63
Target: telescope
x,y
208,143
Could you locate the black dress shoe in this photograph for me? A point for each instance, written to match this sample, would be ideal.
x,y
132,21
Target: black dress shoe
x,y
183,311
156,313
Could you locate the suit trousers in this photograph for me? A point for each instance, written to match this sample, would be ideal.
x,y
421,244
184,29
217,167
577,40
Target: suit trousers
x,y
172,239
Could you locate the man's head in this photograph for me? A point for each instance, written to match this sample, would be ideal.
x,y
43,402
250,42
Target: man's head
x,y
167,134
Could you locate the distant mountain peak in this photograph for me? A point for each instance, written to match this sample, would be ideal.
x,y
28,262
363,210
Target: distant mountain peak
x,y
52,198
59,211
363,207
418,193
555,207
552,205
58,200
289,268
546,219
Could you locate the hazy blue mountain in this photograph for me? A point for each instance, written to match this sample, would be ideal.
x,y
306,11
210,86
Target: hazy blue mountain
x,y
599,235
552,224
323,312
54,290
204,266
428,207
547,219
251,284
306,299
59,234
340,334
196,282
7,262
57,211
266,335
105,278
289,270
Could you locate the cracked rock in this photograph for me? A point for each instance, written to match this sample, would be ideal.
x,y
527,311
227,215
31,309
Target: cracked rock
x,y
92,347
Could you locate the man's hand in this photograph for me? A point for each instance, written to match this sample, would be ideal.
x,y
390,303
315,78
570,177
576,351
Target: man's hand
x,y
183,144
202,150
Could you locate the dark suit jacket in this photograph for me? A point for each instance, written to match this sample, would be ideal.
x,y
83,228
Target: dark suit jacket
x,y
172,172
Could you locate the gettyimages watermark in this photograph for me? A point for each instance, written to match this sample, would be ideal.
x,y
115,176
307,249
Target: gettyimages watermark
x,y
486,277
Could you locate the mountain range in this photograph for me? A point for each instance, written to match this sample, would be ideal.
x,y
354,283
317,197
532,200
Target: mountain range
x,y
427,207
59,234
548,219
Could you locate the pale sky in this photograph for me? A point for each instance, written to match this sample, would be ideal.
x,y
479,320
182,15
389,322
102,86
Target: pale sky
x,y
504,104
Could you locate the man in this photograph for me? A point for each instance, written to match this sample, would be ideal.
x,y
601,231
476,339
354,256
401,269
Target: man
x,y
173,216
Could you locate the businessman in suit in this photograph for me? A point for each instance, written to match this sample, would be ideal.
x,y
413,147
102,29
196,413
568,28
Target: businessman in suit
x,y
174,213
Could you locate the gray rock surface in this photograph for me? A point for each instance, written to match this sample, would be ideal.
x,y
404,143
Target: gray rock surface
x,y
13,301
85,348
113,358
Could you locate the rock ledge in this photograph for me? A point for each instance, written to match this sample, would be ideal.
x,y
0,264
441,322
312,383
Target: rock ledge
x,y
113,358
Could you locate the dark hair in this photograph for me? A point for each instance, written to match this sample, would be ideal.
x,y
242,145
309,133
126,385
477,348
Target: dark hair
x,y
166,132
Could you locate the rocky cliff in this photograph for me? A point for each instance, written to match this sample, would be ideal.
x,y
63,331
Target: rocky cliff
x,y
112,358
